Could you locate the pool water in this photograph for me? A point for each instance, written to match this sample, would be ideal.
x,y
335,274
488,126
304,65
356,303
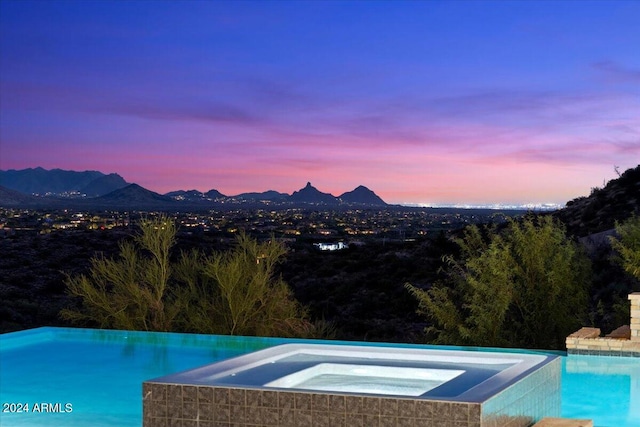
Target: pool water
x,y
465,376
99,373
386,380
605,389
80,377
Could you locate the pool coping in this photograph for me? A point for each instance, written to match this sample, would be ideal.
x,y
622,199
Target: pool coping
x,y
207,375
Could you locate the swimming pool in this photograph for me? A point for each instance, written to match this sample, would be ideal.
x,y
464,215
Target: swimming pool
x,y
100,374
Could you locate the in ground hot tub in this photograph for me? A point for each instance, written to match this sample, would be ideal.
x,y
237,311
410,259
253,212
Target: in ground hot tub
x,y
373,379
305,384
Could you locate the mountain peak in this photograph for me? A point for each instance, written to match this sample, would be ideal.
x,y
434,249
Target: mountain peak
x,y
361,195
134,194
310,194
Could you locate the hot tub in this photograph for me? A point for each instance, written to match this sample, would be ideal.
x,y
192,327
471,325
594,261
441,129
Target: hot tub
x,y
371,379
302,384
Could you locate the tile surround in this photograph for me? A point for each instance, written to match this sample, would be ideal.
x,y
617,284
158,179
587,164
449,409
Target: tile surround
x,y
169,405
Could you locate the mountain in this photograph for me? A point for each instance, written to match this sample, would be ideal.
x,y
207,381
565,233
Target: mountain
x,y
310,194
195,196
616,201
55,182
11,198
93,189
362,196
104,185
188,195
270,195
132,196
214,194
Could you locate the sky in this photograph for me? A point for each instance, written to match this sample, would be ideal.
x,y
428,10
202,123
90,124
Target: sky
x,y
423,102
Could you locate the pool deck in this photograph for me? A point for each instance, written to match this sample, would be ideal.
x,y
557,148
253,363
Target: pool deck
x,y
563,422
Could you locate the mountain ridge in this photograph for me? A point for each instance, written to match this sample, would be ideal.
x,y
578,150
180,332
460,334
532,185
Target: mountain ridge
x,y
60,182
96,188
598,212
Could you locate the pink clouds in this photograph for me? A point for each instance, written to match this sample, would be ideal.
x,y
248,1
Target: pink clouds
x,y
418,103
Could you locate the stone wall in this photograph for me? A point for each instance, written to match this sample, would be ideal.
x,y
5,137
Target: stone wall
x,y
624,341
187,405
635,316
166,405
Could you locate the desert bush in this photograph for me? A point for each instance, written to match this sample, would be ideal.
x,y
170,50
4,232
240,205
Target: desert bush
x,y
237,292
231,292
627,245
131,291
525,286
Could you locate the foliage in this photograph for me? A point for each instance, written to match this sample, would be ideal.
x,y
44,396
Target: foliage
x,y
233,292
525,286
237,292
360,290
132,291
628,245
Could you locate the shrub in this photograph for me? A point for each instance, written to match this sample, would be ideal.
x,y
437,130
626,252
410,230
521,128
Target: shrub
x,y
234,292
628,245
237,292
523,287
132,291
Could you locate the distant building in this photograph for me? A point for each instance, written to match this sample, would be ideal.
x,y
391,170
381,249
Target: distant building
x,y
6,231
331,246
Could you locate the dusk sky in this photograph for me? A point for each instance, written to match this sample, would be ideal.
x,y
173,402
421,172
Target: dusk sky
x,y
435,102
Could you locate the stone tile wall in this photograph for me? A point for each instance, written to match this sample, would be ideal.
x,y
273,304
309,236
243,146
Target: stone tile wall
x,y
527,401
179,405
589,342
635,316
176,405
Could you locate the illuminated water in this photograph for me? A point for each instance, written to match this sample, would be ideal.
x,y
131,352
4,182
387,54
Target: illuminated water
x,y
605,389
463,376
98,375
373,379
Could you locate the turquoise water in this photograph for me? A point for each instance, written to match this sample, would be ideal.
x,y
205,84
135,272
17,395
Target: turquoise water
x,y
92,377
99,373
605,389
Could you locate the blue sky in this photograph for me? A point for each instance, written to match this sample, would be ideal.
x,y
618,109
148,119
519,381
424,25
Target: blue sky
x,y
439,102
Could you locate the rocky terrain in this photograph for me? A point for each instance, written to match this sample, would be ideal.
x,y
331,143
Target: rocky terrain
x,y
598,212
